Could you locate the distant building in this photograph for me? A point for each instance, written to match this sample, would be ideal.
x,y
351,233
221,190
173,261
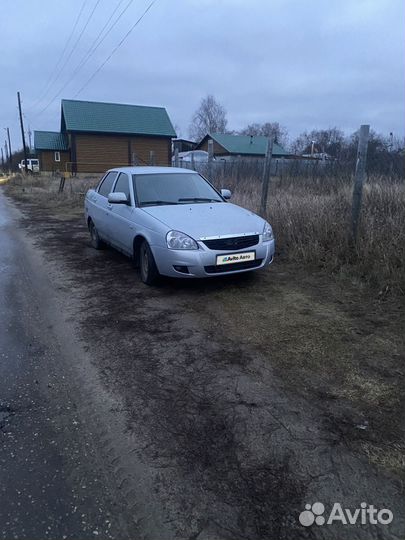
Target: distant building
x,y
227,146
97,136
323,156
183,145
52,149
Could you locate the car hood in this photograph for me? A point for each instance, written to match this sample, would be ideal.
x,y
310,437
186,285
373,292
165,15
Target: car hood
x,y
205,220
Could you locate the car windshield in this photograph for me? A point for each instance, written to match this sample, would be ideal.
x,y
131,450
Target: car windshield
x,y
173,188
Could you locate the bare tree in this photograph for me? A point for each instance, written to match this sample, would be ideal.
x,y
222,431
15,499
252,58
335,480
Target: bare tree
x,y
267,129
385,154
178,131
329,140
210,117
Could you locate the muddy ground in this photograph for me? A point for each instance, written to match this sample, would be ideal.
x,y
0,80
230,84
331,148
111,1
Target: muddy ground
x,y
247,397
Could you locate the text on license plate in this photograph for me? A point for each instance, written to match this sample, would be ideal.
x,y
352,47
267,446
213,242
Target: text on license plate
x,y
236,257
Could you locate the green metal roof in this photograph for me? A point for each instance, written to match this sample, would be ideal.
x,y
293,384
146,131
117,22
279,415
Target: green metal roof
x,y
91,116
50,140
245,144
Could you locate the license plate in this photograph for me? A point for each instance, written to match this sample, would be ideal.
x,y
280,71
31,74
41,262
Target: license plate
x,y
232,258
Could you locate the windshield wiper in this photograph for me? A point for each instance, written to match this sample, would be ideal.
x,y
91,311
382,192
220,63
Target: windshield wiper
x,y
153,203
198,199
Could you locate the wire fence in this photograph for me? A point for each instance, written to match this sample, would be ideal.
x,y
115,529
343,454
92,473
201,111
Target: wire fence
x,y
392,168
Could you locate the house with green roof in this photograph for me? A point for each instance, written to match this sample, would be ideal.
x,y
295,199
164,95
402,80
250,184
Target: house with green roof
x,y
228,146
52,149
97,136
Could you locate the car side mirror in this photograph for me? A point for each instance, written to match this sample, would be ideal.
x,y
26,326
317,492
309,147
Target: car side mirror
x,y
118,197
226,194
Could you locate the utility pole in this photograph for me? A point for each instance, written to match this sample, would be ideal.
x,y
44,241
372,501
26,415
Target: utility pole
x,y
359,178
9,148
22,134
2,160
6,151
29,138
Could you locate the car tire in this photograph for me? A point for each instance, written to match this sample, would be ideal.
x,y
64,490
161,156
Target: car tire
x,y
96,241
147,266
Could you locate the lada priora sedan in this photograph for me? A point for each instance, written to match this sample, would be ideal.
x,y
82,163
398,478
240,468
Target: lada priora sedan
x,y
173,222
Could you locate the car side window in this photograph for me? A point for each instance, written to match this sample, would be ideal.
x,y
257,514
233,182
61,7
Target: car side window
x,y
106,185
122,185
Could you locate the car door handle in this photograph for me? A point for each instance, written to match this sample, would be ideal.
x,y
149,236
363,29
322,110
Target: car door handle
x,y
109,206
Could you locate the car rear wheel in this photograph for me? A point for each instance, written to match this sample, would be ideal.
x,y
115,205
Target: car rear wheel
x,y
148,269
96,241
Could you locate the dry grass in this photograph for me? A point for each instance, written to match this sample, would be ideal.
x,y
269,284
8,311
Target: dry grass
x,y
391,458
372,391
310,217
44,191
311,220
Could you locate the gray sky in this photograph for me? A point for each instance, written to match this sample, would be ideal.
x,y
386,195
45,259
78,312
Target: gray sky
x,y
306,64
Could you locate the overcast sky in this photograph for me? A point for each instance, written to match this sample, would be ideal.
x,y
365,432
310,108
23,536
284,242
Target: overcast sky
x,y
305,64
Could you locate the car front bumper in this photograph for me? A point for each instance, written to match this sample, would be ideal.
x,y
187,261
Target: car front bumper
x,y
201,263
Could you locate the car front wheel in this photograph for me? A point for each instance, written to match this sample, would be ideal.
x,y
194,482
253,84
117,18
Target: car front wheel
x,y
148,268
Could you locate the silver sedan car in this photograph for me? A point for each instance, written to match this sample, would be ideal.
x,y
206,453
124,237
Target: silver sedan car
x,y
173,222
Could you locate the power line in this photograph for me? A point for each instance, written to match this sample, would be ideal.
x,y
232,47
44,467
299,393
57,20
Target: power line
x,y
47,85
71,52
79,38
94,46
115,49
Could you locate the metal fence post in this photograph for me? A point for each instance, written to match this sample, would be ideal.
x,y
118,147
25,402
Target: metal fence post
x,y
176,157
152,157
61,184
359,178
238,169
210,157
266,176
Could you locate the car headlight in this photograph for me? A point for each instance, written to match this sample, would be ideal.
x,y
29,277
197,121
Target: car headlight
x,y
267,232
179,240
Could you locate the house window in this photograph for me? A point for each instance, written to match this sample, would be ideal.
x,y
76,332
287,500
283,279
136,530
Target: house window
x,y
57,156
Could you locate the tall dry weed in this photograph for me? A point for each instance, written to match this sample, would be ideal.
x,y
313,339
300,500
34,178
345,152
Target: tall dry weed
x,y
312,225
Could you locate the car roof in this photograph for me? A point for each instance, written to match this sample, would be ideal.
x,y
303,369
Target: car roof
x,y
151,170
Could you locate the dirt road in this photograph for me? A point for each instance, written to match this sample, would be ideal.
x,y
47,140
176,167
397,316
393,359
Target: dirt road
x,y
213,409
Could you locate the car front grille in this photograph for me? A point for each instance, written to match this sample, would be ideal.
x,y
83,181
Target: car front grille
x,y
232,267
232,244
